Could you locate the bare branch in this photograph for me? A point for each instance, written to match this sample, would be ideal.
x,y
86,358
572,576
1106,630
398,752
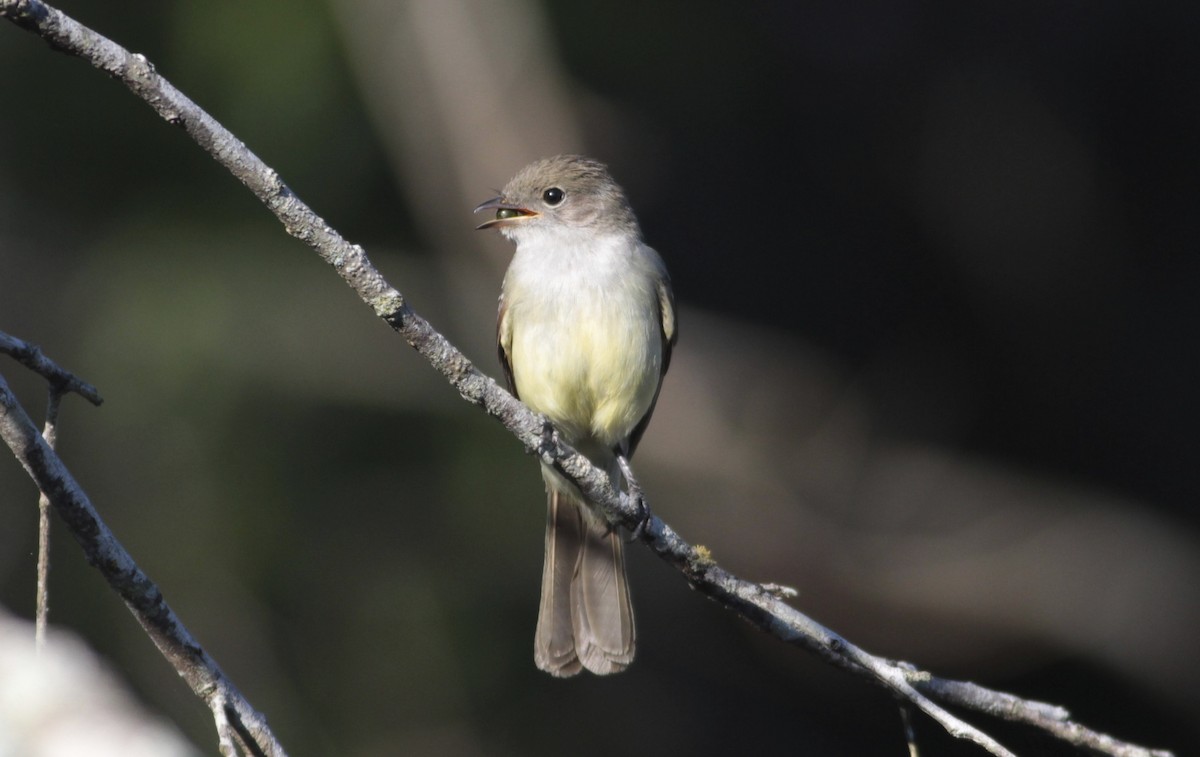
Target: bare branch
x,y
50,434
762,606
61,382
30,355
141,595
1051,718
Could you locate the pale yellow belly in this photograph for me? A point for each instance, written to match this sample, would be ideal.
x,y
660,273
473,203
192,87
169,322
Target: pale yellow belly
x,y
592,371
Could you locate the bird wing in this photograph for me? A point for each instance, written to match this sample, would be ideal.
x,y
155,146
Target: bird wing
x,y
669,334
504,344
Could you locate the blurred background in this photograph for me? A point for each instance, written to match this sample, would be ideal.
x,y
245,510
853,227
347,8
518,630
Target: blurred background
x,y
937,272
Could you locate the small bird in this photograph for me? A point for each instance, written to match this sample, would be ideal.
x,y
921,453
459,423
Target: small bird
x,y
585,331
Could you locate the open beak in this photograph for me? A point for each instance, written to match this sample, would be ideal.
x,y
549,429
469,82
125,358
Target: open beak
x,y
506,213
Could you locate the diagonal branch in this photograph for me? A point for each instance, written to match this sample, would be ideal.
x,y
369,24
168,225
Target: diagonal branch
x,y
758,605
141,595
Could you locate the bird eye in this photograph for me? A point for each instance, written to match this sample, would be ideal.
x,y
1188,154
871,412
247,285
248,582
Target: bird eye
x,y
553,196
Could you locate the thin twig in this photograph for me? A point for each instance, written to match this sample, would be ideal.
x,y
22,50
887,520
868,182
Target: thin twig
x,y
50,435
751,601
910,736
224,729
30,355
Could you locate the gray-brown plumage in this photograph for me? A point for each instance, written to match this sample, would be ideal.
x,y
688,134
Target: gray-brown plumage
x,y
585,331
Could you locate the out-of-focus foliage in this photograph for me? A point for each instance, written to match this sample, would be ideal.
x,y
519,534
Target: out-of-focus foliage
x,y
937,270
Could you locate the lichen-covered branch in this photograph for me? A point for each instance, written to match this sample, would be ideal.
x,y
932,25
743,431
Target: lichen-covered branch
x,y
761,606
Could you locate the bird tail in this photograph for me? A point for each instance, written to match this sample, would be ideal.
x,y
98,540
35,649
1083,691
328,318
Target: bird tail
x,y
585,619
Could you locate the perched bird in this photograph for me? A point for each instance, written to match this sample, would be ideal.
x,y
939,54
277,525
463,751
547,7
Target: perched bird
x,y
585,331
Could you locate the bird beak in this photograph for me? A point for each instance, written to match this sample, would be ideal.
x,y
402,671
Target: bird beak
x,y
506,213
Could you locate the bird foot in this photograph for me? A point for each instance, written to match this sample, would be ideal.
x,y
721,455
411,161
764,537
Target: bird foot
x,y
634,491
549,441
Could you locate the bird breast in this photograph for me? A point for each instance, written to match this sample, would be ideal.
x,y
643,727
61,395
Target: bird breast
x,y
586,347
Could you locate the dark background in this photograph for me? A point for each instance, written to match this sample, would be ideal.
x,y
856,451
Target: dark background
x,y
937,271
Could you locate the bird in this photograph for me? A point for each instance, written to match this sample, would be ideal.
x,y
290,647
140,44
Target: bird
x,y
585,329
